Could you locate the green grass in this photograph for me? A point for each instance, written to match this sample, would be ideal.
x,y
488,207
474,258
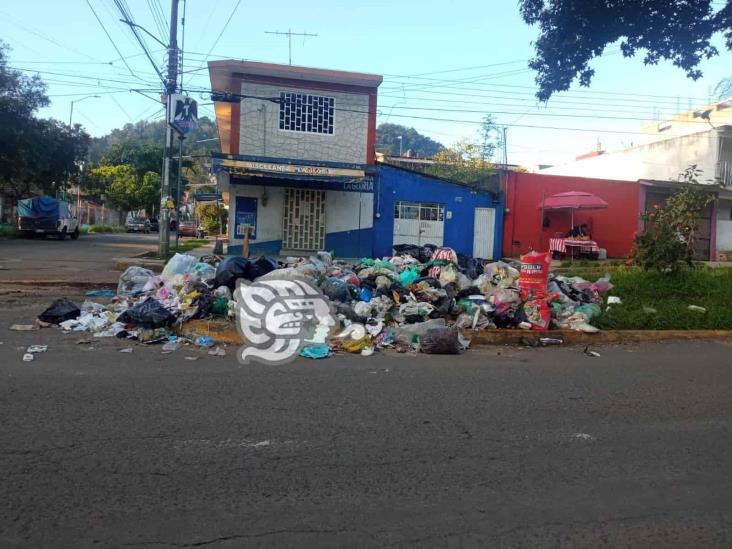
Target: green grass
x,y
8,231
670,295
183,246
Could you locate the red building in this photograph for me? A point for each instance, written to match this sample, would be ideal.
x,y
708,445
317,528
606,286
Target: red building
x,y
613,228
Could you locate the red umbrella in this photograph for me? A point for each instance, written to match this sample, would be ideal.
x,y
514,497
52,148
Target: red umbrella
x,y
573,200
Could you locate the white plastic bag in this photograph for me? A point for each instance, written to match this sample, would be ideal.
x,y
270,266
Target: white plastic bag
x,y
178,265
133,280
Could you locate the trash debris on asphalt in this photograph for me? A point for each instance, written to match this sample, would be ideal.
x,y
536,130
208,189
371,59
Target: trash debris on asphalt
x,y
418,300
126,350
23,327
697,309
593,354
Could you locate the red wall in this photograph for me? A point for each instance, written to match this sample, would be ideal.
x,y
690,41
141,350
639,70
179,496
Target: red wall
x,y
613,228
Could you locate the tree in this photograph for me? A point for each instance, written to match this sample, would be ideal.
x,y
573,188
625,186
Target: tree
x,y
670,229
387,140
213,216
122,189
464,162
573,32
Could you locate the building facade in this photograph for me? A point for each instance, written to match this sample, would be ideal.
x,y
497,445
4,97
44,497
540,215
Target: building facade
x,y
298,164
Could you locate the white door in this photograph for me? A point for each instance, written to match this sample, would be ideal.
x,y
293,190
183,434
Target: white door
x,y
483,230
418,223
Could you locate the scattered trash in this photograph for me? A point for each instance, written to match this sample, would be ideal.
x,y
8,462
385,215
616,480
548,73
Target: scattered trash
x,y
441,341
368,351
550,341
697,309
218,351
23,327
28,357
204,341
614,300
191,357
101,293
583,436
649,310
85,342
315,351
126,350
593,354
34,349
173,344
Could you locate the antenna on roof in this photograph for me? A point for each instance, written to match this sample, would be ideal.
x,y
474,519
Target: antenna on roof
x,y
289,35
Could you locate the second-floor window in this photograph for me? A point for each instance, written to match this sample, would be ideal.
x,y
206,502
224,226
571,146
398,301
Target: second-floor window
x,y
303,112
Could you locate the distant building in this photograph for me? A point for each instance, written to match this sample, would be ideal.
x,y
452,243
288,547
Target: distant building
x,y
299,166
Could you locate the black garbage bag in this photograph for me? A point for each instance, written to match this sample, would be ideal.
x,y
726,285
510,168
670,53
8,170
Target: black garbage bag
x,y
231,269
205,304
511,318
467,292
262,266
425,254
440,341
411,249
470,266
346,310
147,314
59,311
335,289
445,304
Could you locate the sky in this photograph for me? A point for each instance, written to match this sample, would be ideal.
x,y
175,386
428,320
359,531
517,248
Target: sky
x,y
445,65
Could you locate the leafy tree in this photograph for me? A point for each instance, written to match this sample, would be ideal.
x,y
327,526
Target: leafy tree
x,y
464,162
122,189
387,140
670,229
213,217
573,32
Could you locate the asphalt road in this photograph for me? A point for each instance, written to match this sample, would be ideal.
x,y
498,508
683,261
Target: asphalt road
x,y
90,258
496,448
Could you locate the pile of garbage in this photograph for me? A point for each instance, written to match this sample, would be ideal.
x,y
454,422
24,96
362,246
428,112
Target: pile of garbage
x,y
424,298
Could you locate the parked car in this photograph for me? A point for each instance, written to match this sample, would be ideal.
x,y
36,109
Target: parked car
x,y
137,225
154,224
190,228
42,215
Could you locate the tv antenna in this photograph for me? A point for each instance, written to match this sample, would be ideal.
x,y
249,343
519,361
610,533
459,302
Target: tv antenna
x,y
289,35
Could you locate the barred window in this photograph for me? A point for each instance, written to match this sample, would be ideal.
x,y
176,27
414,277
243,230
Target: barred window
x,y
302,112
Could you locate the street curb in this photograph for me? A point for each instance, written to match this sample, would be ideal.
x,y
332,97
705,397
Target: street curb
x,y
122,263
60,283
569,337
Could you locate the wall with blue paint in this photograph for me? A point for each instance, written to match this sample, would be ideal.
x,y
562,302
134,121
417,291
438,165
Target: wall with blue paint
x,y
393,184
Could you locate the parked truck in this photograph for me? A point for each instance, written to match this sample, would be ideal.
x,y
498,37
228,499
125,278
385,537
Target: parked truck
x,y
42,215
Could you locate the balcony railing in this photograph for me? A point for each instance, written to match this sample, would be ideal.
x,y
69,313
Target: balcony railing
x,y
724,173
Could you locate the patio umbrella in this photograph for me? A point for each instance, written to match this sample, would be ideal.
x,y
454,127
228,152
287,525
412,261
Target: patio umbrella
x,y
573,200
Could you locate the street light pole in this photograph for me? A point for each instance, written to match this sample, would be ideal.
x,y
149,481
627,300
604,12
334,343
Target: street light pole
x,y
71,113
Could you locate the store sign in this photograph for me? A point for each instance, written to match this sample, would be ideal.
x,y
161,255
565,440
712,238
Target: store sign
x,y
291,169
183,113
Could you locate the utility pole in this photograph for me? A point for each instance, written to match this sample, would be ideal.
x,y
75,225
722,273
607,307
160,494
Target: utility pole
x,y
289,35
170,88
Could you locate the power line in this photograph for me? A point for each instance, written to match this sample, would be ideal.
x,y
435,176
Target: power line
x,y
114,44
121,5
223,29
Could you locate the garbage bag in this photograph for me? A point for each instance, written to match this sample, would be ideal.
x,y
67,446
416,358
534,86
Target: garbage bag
x,y
501,274
177,265
407,332
440,341
538,314
147,314
133,281
347,311
335,289
60,310
231,269
203,272
407,249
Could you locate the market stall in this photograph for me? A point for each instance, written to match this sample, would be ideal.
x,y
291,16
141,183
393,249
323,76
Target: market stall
x,y
571,201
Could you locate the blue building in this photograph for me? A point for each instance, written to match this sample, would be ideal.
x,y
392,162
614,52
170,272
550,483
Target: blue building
x,y
298,164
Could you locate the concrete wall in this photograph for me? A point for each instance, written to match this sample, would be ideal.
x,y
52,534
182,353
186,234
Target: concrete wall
x,y
346,234
661,160
394,184
613,228
260,134
724,225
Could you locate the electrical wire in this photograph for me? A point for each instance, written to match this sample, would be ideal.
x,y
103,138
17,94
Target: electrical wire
x,y
114,44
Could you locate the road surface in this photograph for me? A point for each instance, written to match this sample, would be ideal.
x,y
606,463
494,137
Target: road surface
x,y
497,448
90,258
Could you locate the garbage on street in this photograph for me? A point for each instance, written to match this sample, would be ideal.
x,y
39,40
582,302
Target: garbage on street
x,y
422,299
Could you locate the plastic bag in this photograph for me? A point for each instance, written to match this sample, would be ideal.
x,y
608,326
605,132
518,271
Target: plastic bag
x,y
231,269
538,314
261,266
408,331
448,275
440,341
534,274
203,272
335,289
60,310
501,273
362,309
408,276
133,281
177,265
315,351
147,314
